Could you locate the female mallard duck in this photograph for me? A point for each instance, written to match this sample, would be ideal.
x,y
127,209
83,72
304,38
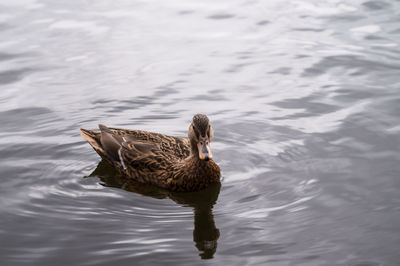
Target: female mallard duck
x,y
173,163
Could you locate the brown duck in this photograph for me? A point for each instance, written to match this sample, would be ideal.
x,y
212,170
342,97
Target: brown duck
x,y
170,162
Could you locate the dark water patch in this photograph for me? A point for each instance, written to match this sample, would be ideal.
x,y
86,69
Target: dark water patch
x,y
237,131
374,38
396,31
257,249
23,119
309,103
346,18
281,70
210,97
186,12
300,56
308,29
11,56
136,103
166,91
221,16
263,22
11,76
366,263
19,175
376,5
4,27
355,92
216,91
248,198
245,55
38,151
158,116
346,63
238,67
103,101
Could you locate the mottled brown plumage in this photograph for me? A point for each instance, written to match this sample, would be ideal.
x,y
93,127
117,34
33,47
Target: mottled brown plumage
x,y
170,162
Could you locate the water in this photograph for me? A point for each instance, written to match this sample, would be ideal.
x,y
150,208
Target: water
x,y
303,97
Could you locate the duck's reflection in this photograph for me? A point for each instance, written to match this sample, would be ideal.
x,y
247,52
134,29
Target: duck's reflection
x,y
205,233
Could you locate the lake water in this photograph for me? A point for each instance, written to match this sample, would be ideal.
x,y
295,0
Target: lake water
x,y
305,104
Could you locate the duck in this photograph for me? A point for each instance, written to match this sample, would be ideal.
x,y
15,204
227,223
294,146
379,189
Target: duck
x,y
170,162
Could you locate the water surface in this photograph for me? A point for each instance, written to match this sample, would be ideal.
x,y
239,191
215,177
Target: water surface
x,y
303,97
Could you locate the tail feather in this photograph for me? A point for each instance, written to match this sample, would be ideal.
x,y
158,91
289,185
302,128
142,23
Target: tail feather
x,y
104,128
102,142
93,137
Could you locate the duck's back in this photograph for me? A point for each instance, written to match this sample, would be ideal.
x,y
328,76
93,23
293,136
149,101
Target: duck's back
x,y
175,146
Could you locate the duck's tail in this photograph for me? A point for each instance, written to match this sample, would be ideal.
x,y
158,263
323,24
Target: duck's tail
x,y
93,137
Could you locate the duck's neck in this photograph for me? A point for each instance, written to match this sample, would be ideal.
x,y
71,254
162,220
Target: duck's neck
x,y
194,151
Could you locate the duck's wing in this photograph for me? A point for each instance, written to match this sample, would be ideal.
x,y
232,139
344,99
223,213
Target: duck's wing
x,y
115,144
177,146
143,161
120,149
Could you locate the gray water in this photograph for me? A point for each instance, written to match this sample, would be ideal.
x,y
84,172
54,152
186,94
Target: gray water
x,y
305,104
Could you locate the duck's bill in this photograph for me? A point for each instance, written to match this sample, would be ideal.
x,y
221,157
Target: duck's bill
x,y
204,152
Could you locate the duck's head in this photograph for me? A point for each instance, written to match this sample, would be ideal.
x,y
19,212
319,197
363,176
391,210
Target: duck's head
x,y
200,136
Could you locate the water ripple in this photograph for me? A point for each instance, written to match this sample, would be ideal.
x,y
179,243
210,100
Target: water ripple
x,y
303,98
